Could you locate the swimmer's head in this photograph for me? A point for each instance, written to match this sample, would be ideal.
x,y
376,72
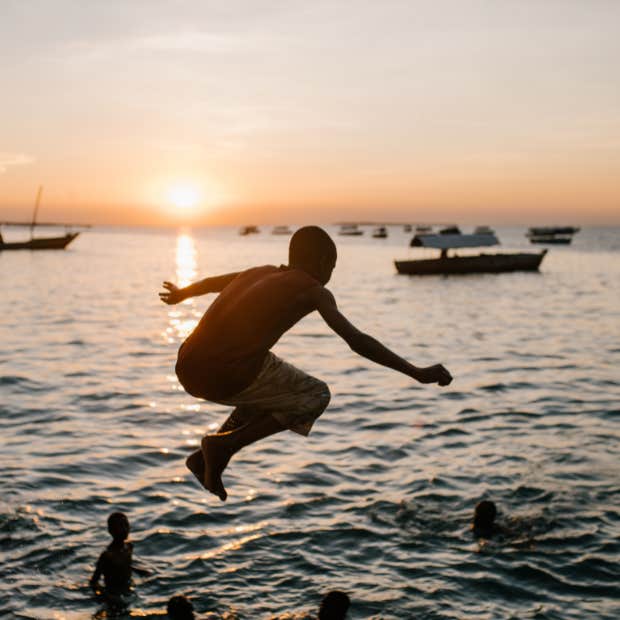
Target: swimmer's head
x,y
334,606
313,250
179,608
118,526
484,515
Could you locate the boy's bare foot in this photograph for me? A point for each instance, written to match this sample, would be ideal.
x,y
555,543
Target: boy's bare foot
x,y
196,464
216,456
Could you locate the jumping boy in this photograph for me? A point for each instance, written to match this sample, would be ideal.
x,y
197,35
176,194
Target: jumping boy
x,y
227,358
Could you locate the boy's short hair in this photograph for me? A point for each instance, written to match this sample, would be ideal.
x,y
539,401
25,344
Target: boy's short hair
x,y
179,608
118,525
309,244
334,605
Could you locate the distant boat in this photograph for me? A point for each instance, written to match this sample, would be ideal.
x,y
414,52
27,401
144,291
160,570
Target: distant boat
x,y
281,230
481,230
350,230
380,232
452,238
249,230
40,243
407,228
552,234
423,229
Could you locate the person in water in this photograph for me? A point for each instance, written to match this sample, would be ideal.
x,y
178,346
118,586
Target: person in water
x,y
180,608
115,562
483,524
334,606
227,359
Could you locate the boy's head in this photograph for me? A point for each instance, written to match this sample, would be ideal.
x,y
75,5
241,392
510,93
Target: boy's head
x,y
334,606
118,526
313,250
179,608
484,515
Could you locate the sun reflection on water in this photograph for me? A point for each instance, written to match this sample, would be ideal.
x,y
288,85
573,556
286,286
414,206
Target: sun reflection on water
x,y
181,318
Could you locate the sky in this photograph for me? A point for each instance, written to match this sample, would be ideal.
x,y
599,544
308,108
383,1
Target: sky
x,y
140,112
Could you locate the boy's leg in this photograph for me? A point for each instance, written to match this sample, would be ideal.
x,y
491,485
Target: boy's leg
x,y
218,449
195,463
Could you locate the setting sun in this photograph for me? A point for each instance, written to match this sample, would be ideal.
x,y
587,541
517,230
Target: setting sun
x,y
184,196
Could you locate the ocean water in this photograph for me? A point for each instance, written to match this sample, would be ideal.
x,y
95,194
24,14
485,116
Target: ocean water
x,y
378,500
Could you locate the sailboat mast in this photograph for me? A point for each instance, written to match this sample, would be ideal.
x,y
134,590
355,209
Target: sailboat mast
x,y
36,209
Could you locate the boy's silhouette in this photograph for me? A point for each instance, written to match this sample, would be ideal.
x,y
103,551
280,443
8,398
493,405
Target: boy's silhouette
x,y
115,562
227,358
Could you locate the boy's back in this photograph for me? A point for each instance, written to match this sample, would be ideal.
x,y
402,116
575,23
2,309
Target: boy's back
x,y
227,349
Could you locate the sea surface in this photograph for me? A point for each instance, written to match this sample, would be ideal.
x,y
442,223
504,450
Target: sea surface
x,y
378,500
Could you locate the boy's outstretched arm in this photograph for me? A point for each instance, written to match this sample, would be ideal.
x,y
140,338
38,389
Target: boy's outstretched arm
x,y
369,347
174,295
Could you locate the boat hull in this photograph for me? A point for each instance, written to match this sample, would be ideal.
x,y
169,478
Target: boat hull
x,y
551,240
49,243
483,263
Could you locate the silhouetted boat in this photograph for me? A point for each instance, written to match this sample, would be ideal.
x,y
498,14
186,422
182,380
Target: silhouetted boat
x,y
281,230
380,232
40,243
249,230
47,243
407,228
350,230
552,234
451,239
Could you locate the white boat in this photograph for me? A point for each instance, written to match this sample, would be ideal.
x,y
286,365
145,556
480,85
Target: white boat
x,y
281,230
350,230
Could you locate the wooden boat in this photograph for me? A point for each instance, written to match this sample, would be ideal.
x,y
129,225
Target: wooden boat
x,y
249,230
380,232
39,243
350,230
481,263
43,243
552,234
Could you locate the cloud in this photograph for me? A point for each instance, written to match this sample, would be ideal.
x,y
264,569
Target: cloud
x,y
14,159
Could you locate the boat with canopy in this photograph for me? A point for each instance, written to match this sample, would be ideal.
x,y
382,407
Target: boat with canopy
x,y
452,238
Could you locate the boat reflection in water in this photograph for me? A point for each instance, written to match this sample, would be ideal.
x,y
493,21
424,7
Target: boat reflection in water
x,y
450,239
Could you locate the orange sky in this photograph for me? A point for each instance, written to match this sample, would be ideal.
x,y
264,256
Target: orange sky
x,y
271,112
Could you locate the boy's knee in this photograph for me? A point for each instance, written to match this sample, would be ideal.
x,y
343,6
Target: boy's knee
x,y
323,397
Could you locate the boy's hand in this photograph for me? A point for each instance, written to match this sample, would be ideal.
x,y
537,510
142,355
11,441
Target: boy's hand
x,y
433,374
173,294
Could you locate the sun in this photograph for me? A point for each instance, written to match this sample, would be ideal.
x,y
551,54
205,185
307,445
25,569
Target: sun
x,y
184,196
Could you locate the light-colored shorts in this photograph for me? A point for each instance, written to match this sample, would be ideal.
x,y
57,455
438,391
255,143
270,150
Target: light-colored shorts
x,y
292,397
